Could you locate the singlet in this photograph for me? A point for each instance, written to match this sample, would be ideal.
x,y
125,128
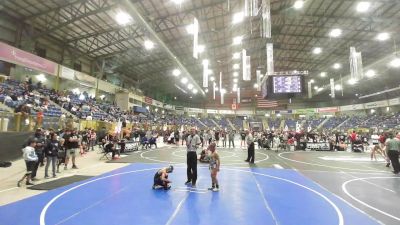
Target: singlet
x,y
375,139
213,162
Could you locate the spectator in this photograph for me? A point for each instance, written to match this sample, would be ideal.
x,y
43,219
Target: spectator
x,y
51,152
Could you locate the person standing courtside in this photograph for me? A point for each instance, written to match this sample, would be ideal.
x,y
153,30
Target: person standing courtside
x,y
39,150
231,137
192,143
392,149
250,147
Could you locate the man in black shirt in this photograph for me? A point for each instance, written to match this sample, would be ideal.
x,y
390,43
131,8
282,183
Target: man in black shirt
x,y
72,146
40,143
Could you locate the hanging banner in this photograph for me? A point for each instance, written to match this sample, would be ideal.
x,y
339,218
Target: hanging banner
x,y
394,101
195,38
376,104
226,112
248,67
214,87
238,95
328,110
171,107
20,57
270,58
305,111
212,111
157,103
148,100
67,73
332,83
351,107
356,70
233,106
245,71
309,90
266,19
205,73
220,81
258,74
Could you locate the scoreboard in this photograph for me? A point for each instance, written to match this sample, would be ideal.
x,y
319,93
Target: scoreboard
x,y
283,86
287,84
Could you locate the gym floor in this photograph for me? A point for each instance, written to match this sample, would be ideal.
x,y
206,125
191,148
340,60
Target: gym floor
x,y
310,188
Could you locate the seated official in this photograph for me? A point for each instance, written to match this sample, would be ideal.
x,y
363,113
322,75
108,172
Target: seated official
x,y
111,147
152,141
161,178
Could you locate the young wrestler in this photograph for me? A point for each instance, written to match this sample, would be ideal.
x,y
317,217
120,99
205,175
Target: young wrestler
x,y
161,178
214,167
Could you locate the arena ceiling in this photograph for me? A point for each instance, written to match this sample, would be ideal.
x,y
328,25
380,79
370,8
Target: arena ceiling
x,y
89,28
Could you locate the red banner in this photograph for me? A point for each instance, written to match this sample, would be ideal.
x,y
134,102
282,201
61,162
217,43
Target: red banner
x,y
17,56
233,106
148,100
328,109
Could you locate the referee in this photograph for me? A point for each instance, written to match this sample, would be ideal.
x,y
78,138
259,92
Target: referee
x,y
250,147
192,143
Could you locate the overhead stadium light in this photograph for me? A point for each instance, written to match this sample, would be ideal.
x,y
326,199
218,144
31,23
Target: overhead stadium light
x,y
320,89
238,17
370,73
178,2
298,4
176,72
236,66
382,36
212,78
337,66
237,40
317,50
201,48
338,87
123,18
184,80
352,81
148,44
316,87
363,6
323,74
206,90
236,55
235,80
395,63
195,91
255,85
312,81
190,86
335,33
190,29
235,74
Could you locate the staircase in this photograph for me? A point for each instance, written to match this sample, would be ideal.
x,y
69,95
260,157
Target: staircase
x,y
64,111
322,123
230,124
216,124
5,108
340,125
282,125
265,124
201,122
246,125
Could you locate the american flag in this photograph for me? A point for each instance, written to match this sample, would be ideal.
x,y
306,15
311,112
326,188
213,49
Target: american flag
x,y
263,103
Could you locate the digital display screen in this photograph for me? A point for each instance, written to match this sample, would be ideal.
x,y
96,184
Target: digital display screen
x,y
287,84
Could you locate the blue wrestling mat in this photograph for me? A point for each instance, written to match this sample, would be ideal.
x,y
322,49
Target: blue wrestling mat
x,y
246,196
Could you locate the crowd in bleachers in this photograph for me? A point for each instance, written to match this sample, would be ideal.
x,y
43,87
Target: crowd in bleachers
x,y
21,97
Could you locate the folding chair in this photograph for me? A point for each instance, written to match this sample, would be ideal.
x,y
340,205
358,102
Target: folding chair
x,y
105,155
